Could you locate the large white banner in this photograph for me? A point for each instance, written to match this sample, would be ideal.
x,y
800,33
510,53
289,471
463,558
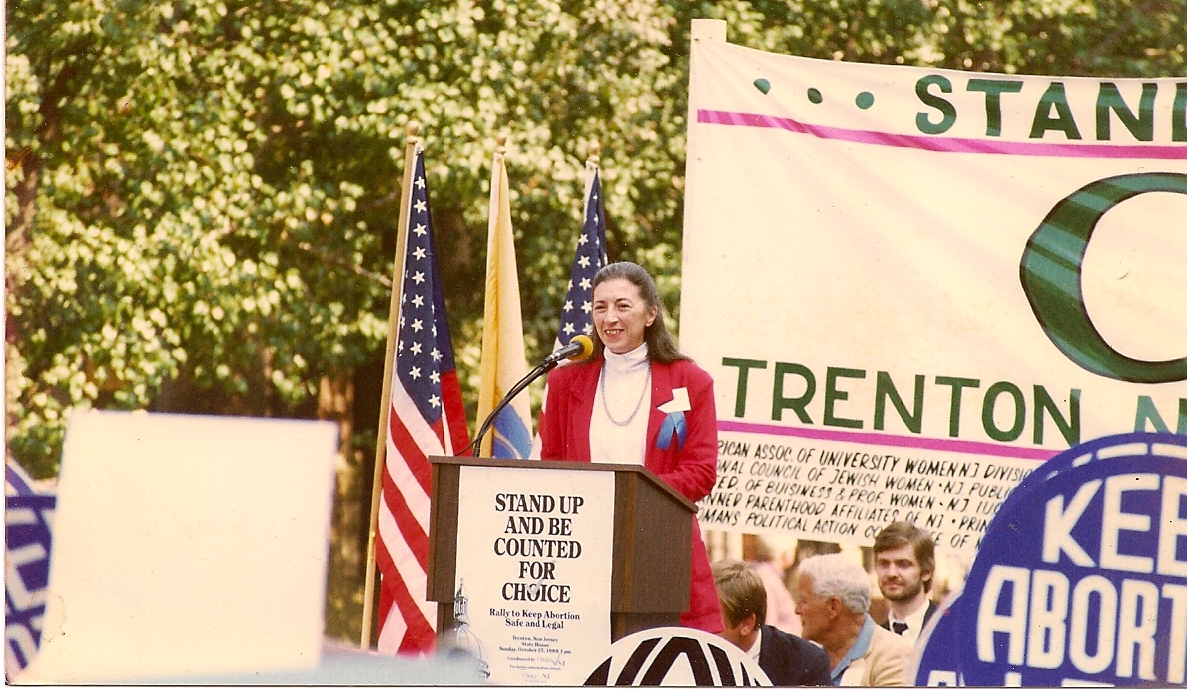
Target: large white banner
x,y
912,286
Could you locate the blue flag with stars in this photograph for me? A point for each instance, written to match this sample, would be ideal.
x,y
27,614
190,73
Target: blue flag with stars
x,y
417,354
590,257
577,309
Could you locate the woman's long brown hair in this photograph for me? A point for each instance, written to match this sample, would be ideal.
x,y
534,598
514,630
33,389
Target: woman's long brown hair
x,y
661,346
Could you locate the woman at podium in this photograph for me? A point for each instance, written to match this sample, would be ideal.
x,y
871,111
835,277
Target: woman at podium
x,y
638,400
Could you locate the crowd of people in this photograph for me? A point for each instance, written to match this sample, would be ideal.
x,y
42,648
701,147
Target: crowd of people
x,y
840,644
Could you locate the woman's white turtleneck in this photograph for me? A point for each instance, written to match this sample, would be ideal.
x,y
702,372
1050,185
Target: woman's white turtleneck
x,y
626,379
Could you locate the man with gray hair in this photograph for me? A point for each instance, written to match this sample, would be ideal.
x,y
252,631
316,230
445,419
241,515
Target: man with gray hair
x,y
833,604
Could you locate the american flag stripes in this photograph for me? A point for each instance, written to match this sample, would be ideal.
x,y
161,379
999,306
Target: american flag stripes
x,y
457,432
425,399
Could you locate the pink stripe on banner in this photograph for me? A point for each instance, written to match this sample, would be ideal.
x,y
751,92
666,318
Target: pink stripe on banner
x,y
940,143
964,446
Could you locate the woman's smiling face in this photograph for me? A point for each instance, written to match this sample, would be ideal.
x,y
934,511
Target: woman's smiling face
x,y
620,315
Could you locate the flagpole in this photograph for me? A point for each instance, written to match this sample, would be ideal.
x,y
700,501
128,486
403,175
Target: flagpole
x,y
412,129
487,399
592,161
591,164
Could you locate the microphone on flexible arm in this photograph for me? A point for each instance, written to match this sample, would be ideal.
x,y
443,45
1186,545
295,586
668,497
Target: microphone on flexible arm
x,y
581,347
578,349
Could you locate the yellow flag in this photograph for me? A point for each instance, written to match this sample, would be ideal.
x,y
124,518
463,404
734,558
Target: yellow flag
x,y
504,362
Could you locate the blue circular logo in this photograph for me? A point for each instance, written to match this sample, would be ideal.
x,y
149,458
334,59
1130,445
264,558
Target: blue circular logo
x,y
1082,576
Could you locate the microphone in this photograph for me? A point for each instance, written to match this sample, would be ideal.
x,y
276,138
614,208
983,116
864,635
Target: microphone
x,y
578,349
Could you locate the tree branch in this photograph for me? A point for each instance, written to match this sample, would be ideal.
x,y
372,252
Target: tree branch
x,y
339,261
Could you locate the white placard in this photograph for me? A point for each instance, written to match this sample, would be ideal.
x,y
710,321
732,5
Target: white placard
x,y
185,546
534,562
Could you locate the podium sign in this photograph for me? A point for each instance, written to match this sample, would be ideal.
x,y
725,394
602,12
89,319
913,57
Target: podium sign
x,y
537,572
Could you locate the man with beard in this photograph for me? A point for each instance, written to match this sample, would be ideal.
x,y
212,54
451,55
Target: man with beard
x,y
905,561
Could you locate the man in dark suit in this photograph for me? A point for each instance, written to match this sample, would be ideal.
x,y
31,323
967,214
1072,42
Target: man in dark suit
x,y
905,562
787,659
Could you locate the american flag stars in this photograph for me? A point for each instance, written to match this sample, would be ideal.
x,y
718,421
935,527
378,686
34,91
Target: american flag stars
x,y
417,334
415,431
589,258
426,418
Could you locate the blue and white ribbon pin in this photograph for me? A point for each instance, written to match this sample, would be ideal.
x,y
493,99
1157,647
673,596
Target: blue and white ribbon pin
x,y
674,425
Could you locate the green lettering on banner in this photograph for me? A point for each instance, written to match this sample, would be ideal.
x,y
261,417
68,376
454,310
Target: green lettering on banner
x,y
1148,412
1069,428
796,404
993,90
744,366
990,403
1140,125
1050,273
832,394
885,389
947,110
1055,97
957,385
1179,114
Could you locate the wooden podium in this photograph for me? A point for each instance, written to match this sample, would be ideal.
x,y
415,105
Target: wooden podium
x,y
652,538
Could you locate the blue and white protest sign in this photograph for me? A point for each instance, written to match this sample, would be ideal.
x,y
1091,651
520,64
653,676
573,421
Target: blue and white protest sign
x,y
936,660
28,517
1083,578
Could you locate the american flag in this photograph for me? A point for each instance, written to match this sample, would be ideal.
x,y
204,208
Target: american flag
x,y
425,399
590,257
576,312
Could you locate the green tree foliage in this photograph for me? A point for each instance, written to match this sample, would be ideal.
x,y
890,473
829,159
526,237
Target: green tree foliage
x,y
206,190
